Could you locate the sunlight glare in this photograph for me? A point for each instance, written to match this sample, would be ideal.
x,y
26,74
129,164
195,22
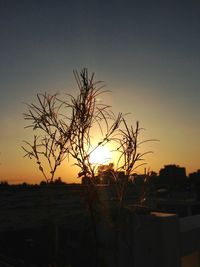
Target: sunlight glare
x,y
100,155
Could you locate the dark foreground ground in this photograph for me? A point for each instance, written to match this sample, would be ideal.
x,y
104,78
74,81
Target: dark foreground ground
x,y
51,226
43,225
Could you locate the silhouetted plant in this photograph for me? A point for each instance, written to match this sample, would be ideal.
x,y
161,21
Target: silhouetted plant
x,y
128,155
63,135
50,147
65,130
88,115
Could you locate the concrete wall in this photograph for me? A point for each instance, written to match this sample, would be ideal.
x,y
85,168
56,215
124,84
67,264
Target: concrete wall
x,y
157,240
142,240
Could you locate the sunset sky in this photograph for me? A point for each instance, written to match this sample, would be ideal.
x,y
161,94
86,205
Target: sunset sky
x,y
147,52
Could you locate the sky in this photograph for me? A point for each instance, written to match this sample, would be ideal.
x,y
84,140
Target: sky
x,y
147,52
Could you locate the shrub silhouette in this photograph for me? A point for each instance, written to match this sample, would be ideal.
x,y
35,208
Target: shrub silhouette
x,y
64,130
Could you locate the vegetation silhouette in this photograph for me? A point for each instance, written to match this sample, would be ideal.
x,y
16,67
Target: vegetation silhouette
x,y
64,131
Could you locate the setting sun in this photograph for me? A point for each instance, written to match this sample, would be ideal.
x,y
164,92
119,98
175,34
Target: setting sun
x,y
100,155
